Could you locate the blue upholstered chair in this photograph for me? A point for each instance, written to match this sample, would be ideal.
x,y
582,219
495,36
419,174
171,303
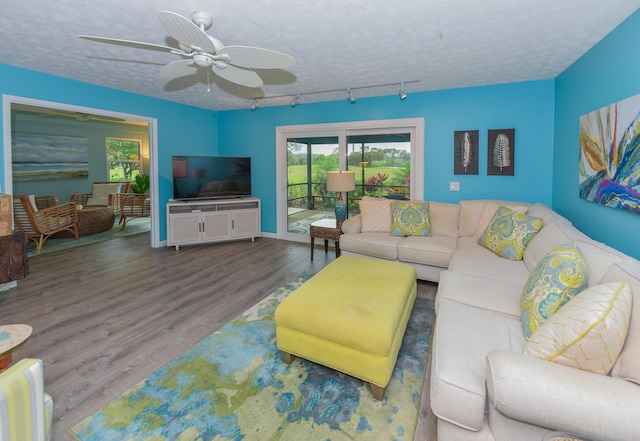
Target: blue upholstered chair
x,y
25,410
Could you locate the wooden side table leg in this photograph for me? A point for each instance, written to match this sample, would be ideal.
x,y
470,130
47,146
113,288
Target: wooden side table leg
x,y
337,249
312,240
326,246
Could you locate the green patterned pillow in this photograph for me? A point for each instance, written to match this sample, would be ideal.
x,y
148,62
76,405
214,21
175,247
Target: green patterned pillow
x,y
557,277
509,233
410,219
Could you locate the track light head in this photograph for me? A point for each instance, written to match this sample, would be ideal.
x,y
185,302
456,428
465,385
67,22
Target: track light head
x,y
350,96
255,105
295,101
402,93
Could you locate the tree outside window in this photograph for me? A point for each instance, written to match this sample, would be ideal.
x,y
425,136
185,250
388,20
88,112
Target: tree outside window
x,y
124,159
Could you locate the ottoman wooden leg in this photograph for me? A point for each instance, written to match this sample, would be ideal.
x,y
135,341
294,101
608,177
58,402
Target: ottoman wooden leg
x,y
377,391
288,358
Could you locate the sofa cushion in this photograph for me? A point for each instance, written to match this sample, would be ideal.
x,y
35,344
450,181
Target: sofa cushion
x,y
489,210
627,366
558,276
463,337
509,233
380,245
444,219
410,219
548,238
599,258
375,215
501,296
488,264
435,250
588,332
470,212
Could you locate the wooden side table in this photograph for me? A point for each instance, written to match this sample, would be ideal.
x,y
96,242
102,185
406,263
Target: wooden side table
x,y
11,337
328,230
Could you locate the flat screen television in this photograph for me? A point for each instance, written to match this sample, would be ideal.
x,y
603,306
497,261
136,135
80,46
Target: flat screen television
x,y
211,177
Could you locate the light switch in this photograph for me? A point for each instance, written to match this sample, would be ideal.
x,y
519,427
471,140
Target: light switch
x,y
454,186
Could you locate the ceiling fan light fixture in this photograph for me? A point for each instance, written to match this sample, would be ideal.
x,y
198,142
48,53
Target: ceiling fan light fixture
x,y
255,105
350,96
295,101
402,92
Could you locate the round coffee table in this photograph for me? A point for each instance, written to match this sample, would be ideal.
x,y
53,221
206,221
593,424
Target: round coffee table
x,y
11,337
92,219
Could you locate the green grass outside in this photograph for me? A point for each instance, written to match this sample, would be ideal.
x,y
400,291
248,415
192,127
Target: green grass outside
x,y
298,174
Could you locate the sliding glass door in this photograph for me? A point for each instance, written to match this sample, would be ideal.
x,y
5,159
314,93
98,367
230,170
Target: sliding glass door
x,y
308,160
385,155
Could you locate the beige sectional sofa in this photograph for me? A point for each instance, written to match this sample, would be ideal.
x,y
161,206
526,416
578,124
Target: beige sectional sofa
x,y
484,385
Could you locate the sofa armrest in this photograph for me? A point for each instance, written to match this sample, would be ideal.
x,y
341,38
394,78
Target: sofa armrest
x,y
558,397
353,225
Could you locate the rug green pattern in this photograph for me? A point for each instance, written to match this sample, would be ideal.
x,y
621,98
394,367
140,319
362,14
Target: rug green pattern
x,y
302,226
233,385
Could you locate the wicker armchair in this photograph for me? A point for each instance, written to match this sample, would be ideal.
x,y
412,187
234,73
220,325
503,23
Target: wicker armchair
x,y
40,224
103,193
134,205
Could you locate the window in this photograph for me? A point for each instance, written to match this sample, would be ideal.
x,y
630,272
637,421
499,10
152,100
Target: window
x,y
124,159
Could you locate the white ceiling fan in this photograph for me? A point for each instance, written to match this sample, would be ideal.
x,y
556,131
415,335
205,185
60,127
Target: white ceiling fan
x,y
201,51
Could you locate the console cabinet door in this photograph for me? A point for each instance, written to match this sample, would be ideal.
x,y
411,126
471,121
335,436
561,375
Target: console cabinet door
x,y
184,228
245,223
217,225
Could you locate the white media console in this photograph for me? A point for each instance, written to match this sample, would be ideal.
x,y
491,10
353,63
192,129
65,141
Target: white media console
x,y
205,221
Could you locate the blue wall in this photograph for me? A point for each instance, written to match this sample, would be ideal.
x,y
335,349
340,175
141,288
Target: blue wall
x,y
181,129
526,107
608,73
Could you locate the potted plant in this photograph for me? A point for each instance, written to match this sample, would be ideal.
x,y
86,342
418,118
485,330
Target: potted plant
x,y
142,184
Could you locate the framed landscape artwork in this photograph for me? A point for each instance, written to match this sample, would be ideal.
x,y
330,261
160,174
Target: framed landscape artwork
x,y
610,155
465,152
501,150
49,157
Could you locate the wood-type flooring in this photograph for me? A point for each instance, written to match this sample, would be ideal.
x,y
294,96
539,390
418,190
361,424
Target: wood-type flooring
x,y
107,315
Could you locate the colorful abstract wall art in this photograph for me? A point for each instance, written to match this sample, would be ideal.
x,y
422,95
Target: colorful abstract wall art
x,y
465,152
610,155
49,157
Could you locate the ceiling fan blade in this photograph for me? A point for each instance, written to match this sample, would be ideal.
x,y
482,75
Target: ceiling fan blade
x,y
186,31
257,58
178,69
129,43
238,75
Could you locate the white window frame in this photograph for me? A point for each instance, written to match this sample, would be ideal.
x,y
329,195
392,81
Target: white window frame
x,y
109,162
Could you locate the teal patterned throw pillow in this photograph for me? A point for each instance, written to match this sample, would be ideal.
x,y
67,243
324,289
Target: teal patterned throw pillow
x,y
555,280
410,219
509,233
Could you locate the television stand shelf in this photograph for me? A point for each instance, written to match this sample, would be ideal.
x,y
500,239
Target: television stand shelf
x,y
215,220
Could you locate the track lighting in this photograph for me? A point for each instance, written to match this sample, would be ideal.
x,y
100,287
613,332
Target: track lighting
x,y
402,93
350,96
295,100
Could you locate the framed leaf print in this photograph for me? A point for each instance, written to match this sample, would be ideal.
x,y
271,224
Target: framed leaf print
x,y
501,149
465,152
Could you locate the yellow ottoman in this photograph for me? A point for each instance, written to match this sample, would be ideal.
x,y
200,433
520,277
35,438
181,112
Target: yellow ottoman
x,y
351,317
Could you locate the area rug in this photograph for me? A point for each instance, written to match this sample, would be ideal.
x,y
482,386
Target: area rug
x,y
134,226
233,385
302,226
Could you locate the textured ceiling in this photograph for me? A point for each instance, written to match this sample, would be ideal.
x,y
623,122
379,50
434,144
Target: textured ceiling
x,y
337,44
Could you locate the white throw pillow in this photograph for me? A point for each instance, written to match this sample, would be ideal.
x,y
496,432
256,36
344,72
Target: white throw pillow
x,y
588,332
32,200
489,211
375,214
101,192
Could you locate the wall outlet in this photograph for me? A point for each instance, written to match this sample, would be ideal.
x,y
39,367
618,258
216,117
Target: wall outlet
x,y
454,186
